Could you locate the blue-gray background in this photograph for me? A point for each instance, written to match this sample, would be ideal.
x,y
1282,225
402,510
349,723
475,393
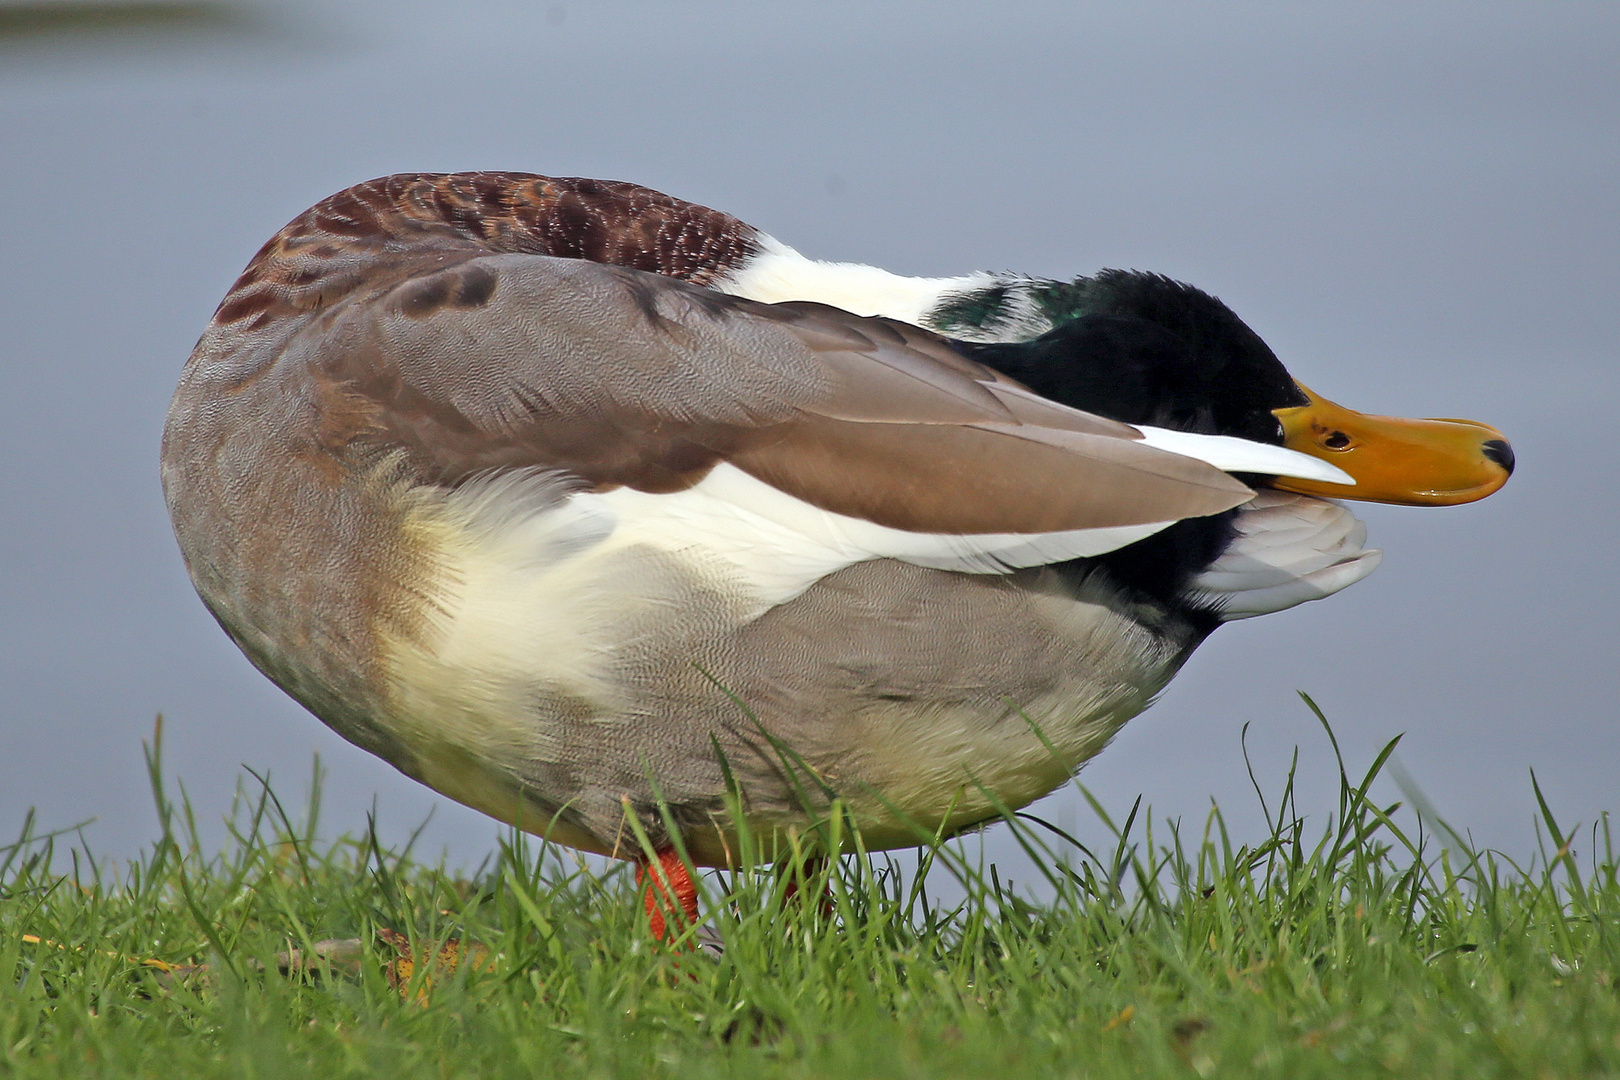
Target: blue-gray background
x,y
1415,204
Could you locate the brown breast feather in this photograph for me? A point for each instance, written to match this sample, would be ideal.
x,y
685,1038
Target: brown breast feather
x,y
628,378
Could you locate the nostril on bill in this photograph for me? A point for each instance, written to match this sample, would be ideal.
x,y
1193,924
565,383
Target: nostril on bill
x,y
1500,452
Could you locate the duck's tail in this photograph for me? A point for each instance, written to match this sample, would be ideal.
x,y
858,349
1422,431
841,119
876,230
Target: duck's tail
x,y
1289,549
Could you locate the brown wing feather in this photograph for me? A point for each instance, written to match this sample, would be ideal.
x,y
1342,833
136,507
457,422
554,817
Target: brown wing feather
x,y
628,378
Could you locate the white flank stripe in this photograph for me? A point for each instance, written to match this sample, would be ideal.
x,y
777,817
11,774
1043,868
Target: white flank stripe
x,y
779,545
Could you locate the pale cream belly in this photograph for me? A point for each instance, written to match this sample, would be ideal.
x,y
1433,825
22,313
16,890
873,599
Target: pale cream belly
x,y
556,694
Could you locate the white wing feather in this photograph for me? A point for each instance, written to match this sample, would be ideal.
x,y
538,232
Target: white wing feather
x,y
1240,455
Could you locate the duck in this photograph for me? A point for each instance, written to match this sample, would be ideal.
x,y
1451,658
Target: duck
x,y
618,520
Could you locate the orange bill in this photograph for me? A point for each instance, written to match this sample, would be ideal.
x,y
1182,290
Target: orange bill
x,y
1433,462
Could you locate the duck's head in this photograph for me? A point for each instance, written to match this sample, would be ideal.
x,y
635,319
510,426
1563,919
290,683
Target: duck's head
x,y
1145,349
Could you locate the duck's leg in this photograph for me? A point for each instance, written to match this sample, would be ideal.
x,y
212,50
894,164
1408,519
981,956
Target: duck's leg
x,y
668,893
802,874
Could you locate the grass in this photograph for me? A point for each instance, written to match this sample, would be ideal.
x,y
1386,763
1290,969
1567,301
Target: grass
x,y
1352,947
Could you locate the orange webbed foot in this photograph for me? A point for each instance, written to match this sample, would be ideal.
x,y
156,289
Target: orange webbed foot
x,y
668,893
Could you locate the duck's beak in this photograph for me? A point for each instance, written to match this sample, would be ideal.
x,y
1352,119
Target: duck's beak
x,y
1412,462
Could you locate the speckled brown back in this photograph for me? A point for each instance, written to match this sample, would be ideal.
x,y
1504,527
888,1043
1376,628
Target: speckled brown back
x,y
307,263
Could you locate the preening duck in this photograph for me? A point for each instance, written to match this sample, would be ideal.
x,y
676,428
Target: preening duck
x,y
584,506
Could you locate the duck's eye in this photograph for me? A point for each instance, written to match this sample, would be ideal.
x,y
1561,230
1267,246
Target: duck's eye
x,y
1336,440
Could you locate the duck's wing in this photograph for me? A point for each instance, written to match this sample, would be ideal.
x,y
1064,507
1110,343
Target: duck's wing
x,y
632,381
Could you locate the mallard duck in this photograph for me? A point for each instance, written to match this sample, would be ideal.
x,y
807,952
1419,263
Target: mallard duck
x,y
604,513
